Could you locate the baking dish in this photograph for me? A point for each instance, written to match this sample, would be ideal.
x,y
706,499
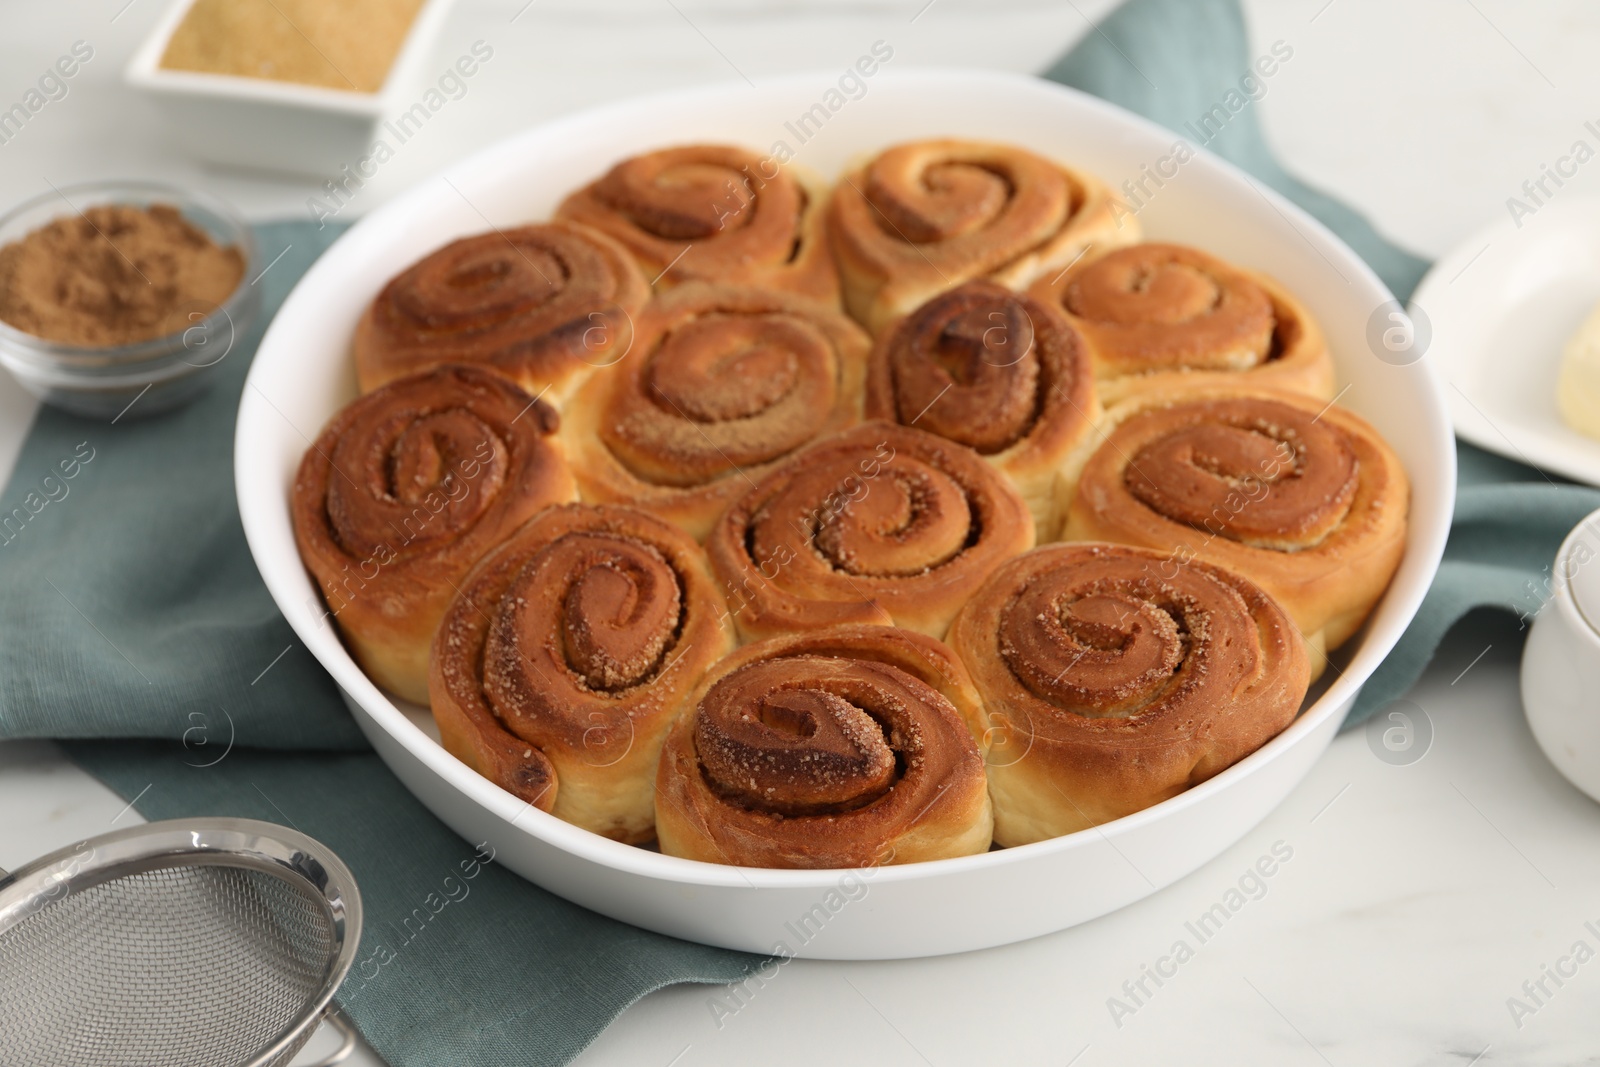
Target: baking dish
x,y
302,374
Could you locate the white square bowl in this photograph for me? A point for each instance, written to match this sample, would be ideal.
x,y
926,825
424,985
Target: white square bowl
x,y
275,125
302,375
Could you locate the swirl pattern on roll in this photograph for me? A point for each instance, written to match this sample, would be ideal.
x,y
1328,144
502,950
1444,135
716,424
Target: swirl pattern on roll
x,y
1303,474
715,213
882,523
722,384
1114,677
922,217
1163,315
545,305
405,490
846,748
567,655
1303,498
996,371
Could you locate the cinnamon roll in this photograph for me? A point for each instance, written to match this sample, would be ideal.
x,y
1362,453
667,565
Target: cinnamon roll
x,y
1113,678
845,748
920,218
881,524
404,491
722,384
715,213
1303,498
544,305
567,655
996,371
1160,316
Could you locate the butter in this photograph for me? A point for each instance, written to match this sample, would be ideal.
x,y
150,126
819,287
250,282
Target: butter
x,y
1578,389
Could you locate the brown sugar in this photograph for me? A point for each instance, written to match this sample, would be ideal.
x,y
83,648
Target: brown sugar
x,y
348,45
115,275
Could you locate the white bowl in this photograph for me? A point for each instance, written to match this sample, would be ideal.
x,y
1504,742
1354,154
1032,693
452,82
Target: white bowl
x,y
1561,661
302,375
276,125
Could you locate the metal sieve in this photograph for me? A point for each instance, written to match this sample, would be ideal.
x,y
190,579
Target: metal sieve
x,y
212,942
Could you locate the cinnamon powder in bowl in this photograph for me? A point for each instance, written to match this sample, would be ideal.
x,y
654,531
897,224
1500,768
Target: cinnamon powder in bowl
x,y
114,275
115,298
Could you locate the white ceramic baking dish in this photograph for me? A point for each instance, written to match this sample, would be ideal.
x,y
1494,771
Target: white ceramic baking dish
x,y
303,374
274,125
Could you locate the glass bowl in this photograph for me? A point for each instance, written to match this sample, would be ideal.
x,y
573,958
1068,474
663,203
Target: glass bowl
x,y
146,377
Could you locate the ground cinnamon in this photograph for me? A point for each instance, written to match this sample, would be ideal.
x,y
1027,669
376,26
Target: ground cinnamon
x,y
114,275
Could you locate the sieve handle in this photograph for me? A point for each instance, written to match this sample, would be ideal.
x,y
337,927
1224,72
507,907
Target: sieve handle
x,y
335,1019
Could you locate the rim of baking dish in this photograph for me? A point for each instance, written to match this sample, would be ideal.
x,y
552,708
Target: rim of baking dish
x,y
1425,538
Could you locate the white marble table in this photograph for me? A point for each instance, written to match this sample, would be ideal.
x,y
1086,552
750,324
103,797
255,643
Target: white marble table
x,y
1418,899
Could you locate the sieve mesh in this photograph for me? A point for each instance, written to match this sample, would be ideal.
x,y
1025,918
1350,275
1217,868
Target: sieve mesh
x,y
178,965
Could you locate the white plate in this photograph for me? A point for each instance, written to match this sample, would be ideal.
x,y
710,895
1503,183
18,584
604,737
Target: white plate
x,y
302,375
1501,307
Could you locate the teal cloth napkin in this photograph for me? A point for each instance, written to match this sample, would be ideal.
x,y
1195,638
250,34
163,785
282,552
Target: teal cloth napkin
x,y
1509,521
1174,61
130,604
131,612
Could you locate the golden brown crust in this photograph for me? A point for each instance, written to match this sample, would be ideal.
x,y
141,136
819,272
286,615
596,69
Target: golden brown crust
x,y
1301,497
998,372
569,653
1162,316
723,384
404,491
1114,678
849,747
545,305
922,217
882,524
715,213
